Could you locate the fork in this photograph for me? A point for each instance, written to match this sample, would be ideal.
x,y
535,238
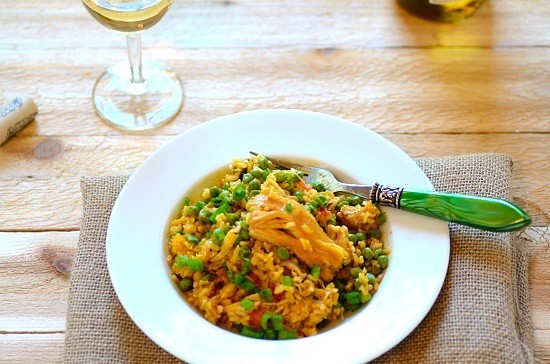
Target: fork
x,y
479,212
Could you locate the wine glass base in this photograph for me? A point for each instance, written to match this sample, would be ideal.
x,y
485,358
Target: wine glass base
x,y
137,106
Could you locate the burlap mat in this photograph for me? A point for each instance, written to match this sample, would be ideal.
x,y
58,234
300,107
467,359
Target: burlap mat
x,y
482,314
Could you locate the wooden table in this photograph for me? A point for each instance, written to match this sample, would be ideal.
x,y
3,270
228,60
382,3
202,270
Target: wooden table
x,y
433,89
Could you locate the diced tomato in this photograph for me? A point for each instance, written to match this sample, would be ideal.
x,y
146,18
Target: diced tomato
x,y
302,186
255,279
325,213
276,296
256,318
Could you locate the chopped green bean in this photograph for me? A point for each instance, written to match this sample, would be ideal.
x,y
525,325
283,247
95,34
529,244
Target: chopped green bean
x,y
287,334
218,235
214,191
247,304
315,271
239,192
287,281
192,239
192,211
195,265
266,294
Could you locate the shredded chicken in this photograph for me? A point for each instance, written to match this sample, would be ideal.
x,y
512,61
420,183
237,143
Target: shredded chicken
x,y
358,216
296,230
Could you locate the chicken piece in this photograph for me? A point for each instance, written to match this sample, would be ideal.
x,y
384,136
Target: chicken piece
x,y
297,230
359,216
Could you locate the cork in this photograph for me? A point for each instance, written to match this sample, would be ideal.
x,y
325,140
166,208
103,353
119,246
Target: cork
x,y
15,113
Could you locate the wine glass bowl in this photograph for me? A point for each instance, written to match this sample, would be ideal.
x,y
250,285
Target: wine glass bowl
x,y
134,95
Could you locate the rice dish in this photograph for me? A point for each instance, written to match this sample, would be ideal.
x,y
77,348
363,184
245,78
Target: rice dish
x,y
263,254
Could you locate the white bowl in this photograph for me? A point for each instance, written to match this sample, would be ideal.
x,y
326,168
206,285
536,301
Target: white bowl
x,y
136,250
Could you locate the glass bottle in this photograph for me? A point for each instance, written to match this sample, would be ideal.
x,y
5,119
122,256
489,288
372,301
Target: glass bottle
x,y
441,10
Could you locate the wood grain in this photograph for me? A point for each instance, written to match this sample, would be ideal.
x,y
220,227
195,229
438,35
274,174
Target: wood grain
x,y
433,89
388,90
280,24
33,277
32,348
44,193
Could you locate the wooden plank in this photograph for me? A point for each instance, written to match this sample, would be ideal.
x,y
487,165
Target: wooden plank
x,y
32,348
273,24
387,90
34,279
34,266
542,346
39,184
27,348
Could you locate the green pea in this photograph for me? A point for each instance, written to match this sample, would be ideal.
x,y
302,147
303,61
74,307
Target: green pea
x,y
186,201
322,200
352,238
375,233
288,208
377,253
375,268
361,236
368,253
254,193
383,260
263,162
300,196
365,298
342,203
247,177
265,173
214,191
283,253
192,211
185,284
254,185
354,272
280,176
239,192
355,200
318,185
371,278
256,172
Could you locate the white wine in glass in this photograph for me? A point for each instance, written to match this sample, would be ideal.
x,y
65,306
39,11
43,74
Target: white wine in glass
x,y
134,95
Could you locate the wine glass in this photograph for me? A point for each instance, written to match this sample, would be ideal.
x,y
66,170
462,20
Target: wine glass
x,y
139,95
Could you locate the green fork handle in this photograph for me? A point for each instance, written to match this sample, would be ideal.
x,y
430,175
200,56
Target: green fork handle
x,y
479,212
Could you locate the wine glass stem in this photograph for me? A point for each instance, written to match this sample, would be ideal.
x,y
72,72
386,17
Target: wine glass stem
x,y
133,41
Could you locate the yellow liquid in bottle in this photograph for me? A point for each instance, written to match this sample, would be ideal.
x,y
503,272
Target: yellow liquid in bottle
x,y
446,11
127,15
